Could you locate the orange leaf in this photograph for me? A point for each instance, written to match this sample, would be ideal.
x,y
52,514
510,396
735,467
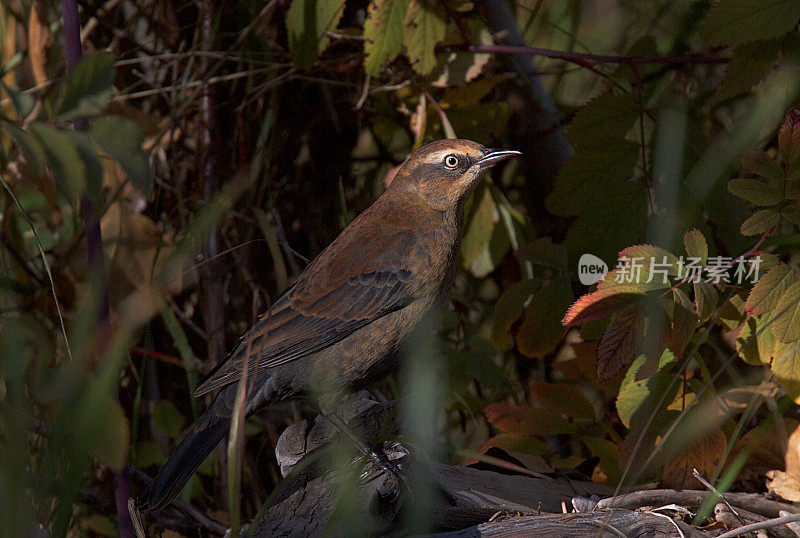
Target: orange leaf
x,y
703,455
526,420
600,304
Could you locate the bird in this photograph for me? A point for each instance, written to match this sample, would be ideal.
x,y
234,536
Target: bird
x,y
342,321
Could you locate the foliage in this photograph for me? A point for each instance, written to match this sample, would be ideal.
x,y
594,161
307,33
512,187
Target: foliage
x,y
217,169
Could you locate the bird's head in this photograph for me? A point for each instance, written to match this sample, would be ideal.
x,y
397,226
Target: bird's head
x,y
444,172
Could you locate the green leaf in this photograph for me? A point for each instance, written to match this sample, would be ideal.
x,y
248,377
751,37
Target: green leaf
x,y
750,63
87,91
109,434
696,246
94,166
168,419
426,26
731,22
684,322
754,191
541,329
146,454
605,117
383,33
786,316
705,300
760,222
31,149
23,102
590,174
769,289
122,139
757,161
637,399
63,159
759,351
786,368
306,24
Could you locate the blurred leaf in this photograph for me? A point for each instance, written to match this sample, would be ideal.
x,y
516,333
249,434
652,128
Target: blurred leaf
x,y
541,329
526,420
769,289
168,419
637,399
482,221
31,149
608,452
146,453
756,161
750,63
23,102
754,191
731,22
108,433
562,398
306,24
63,159
507,310
786,316
425,26
591,174
39,38
653,258
703,454
90,158
469,95
760,222
605,117
696,246
759,351
122,139
87,91
512,442
383,33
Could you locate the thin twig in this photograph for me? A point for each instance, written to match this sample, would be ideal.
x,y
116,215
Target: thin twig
x,y
711,487
768,524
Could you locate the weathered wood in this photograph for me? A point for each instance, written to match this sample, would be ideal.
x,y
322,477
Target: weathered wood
x,y
599,523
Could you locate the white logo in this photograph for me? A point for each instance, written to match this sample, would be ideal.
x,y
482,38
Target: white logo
x,y
591,269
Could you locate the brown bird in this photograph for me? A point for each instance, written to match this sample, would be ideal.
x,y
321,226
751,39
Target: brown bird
x,y
342,322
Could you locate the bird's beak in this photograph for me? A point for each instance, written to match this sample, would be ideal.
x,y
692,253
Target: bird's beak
x,y
494,156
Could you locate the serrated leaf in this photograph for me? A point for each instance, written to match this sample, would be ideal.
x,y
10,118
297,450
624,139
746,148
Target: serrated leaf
x,y
617,347
705,300
601,304
541,329
786,316
760,222
562,398
122,139
426,26
759,351
696,245
684,322
754,191
637,399
87,91
591,174
63,159
750,63
766,293
654,259
789,139
786,368
383,33
605,117
731,22
306,24
31,148
757,161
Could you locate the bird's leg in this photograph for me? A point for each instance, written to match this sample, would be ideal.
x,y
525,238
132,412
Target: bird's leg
x,y
379,458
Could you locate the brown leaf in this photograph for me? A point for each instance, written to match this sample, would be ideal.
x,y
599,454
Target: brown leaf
x,y
789,137
783,485
526,420
770,453
703,455
600,304
562,398
617,347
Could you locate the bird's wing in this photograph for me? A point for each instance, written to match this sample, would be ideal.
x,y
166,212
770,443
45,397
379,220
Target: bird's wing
x,y
330,301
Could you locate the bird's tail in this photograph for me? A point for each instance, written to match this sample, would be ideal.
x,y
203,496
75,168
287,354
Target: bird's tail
x,y
192,450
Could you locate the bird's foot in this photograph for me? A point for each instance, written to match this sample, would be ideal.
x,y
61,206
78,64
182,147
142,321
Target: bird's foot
x,y
385,462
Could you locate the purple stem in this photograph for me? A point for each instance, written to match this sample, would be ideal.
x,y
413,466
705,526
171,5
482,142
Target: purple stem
x,y
94,243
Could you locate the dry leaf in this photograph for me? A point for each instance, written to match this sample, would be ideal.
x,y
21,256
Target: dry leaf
x,y
703,455
39,38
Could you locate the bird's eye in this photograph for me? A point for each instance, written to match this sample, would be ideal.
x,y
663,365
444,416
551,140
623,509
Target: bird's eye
x,y
451,161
